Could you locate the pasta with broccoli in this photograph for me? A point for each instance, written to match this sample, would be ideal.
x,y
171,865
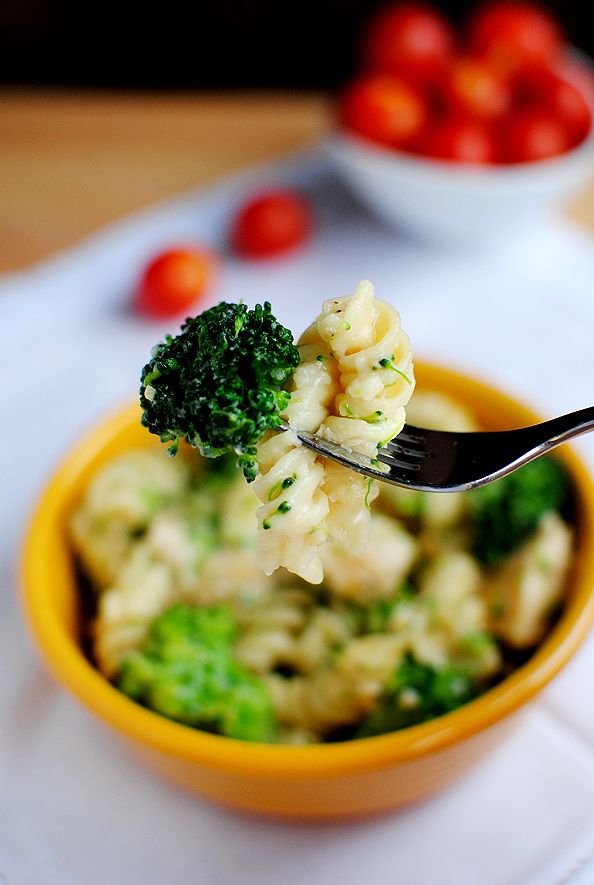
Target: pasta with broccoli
x,y
283,609
426,618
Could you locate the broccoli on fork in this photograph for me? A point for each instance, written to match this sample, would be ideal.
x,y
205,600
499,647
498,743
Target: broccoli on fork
x,y
219,383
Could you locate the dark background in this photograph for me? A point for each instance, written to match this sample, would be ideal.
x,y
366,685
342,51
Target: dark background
x,y
221,44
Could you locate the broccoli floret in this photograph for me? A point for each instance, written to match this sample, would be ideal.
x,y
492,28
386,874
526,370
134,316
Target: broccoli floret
x,y
418,692
177,632
218,473
218,384
506,512
186,671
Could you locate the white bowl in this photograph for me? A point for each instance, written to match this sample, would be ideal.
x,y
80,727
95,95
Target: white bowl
x,y
456,203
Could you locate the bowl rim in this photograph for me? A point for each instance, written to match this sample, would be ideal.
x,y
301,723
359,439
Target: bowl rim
x,y
65,658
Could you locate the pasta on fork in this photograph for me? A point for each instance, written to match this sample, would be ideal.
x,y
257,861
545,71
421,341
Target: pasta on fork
x,y
352,386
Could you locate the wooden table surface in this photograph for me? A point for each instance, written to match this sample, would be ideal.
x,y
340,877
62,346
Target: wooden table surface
x,y
71,162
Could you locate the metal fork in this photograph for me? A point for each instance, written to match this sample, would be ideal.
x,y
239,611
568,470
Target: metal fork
x,y
443,461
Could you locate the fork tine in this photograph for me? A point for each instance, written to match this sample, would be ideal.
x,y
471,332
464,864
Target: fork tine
x,y
397,463
411,436
406,451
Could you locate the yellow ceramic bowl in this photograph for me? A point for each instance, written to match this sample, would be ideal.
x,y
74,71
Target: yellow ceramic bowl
x,y
324,781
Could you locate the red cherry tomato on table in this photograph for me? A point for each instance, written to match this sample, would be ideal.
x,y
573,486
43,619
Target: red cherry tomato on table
x,y
173,281
271,223
534,135
462,141
384,109
546,90
409,39
471,88
513,35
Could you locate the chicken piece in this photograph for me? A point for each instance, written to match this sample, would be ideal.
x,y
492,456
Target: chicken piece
x,y
376,573
523,591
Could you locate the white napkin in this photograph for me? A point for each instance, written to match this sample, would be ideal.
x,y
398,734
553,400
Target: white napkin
x,y
75,809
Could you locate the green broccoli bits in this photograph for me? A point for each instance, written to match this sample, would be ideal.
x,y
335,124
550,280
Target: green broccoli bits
x,y
219,383
506,512
379,612
187,671
418,692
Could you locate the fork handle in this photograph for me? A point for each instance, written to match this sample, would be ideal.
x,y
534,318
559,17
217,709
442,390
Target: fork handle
x,y
552,433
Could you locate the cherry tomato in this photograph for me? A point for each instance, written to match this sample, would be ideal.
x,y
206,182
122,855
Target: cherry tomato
x,y
534,135
462,141
173,281
546,90
513,35
409,39
472,88
271,223
384,109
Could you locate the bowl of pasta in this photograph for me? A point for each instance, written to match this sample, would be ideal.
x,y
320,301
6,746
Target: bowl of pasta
x,y
365,692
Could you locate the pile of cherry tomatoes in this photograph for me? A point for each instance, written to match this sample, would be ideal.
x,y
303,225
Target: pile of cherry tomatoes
x,y
505,90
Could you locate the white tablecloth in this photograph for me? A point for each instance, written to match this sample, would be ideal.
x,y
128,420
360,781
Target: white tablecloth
x,y
74,808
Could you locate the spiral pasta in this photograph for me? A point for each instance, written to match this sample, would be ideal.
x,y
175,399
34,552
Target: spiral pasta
x,y
316,703
288,629
125,495
143,589
338,694
270,627
292,518
351,387
376,379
